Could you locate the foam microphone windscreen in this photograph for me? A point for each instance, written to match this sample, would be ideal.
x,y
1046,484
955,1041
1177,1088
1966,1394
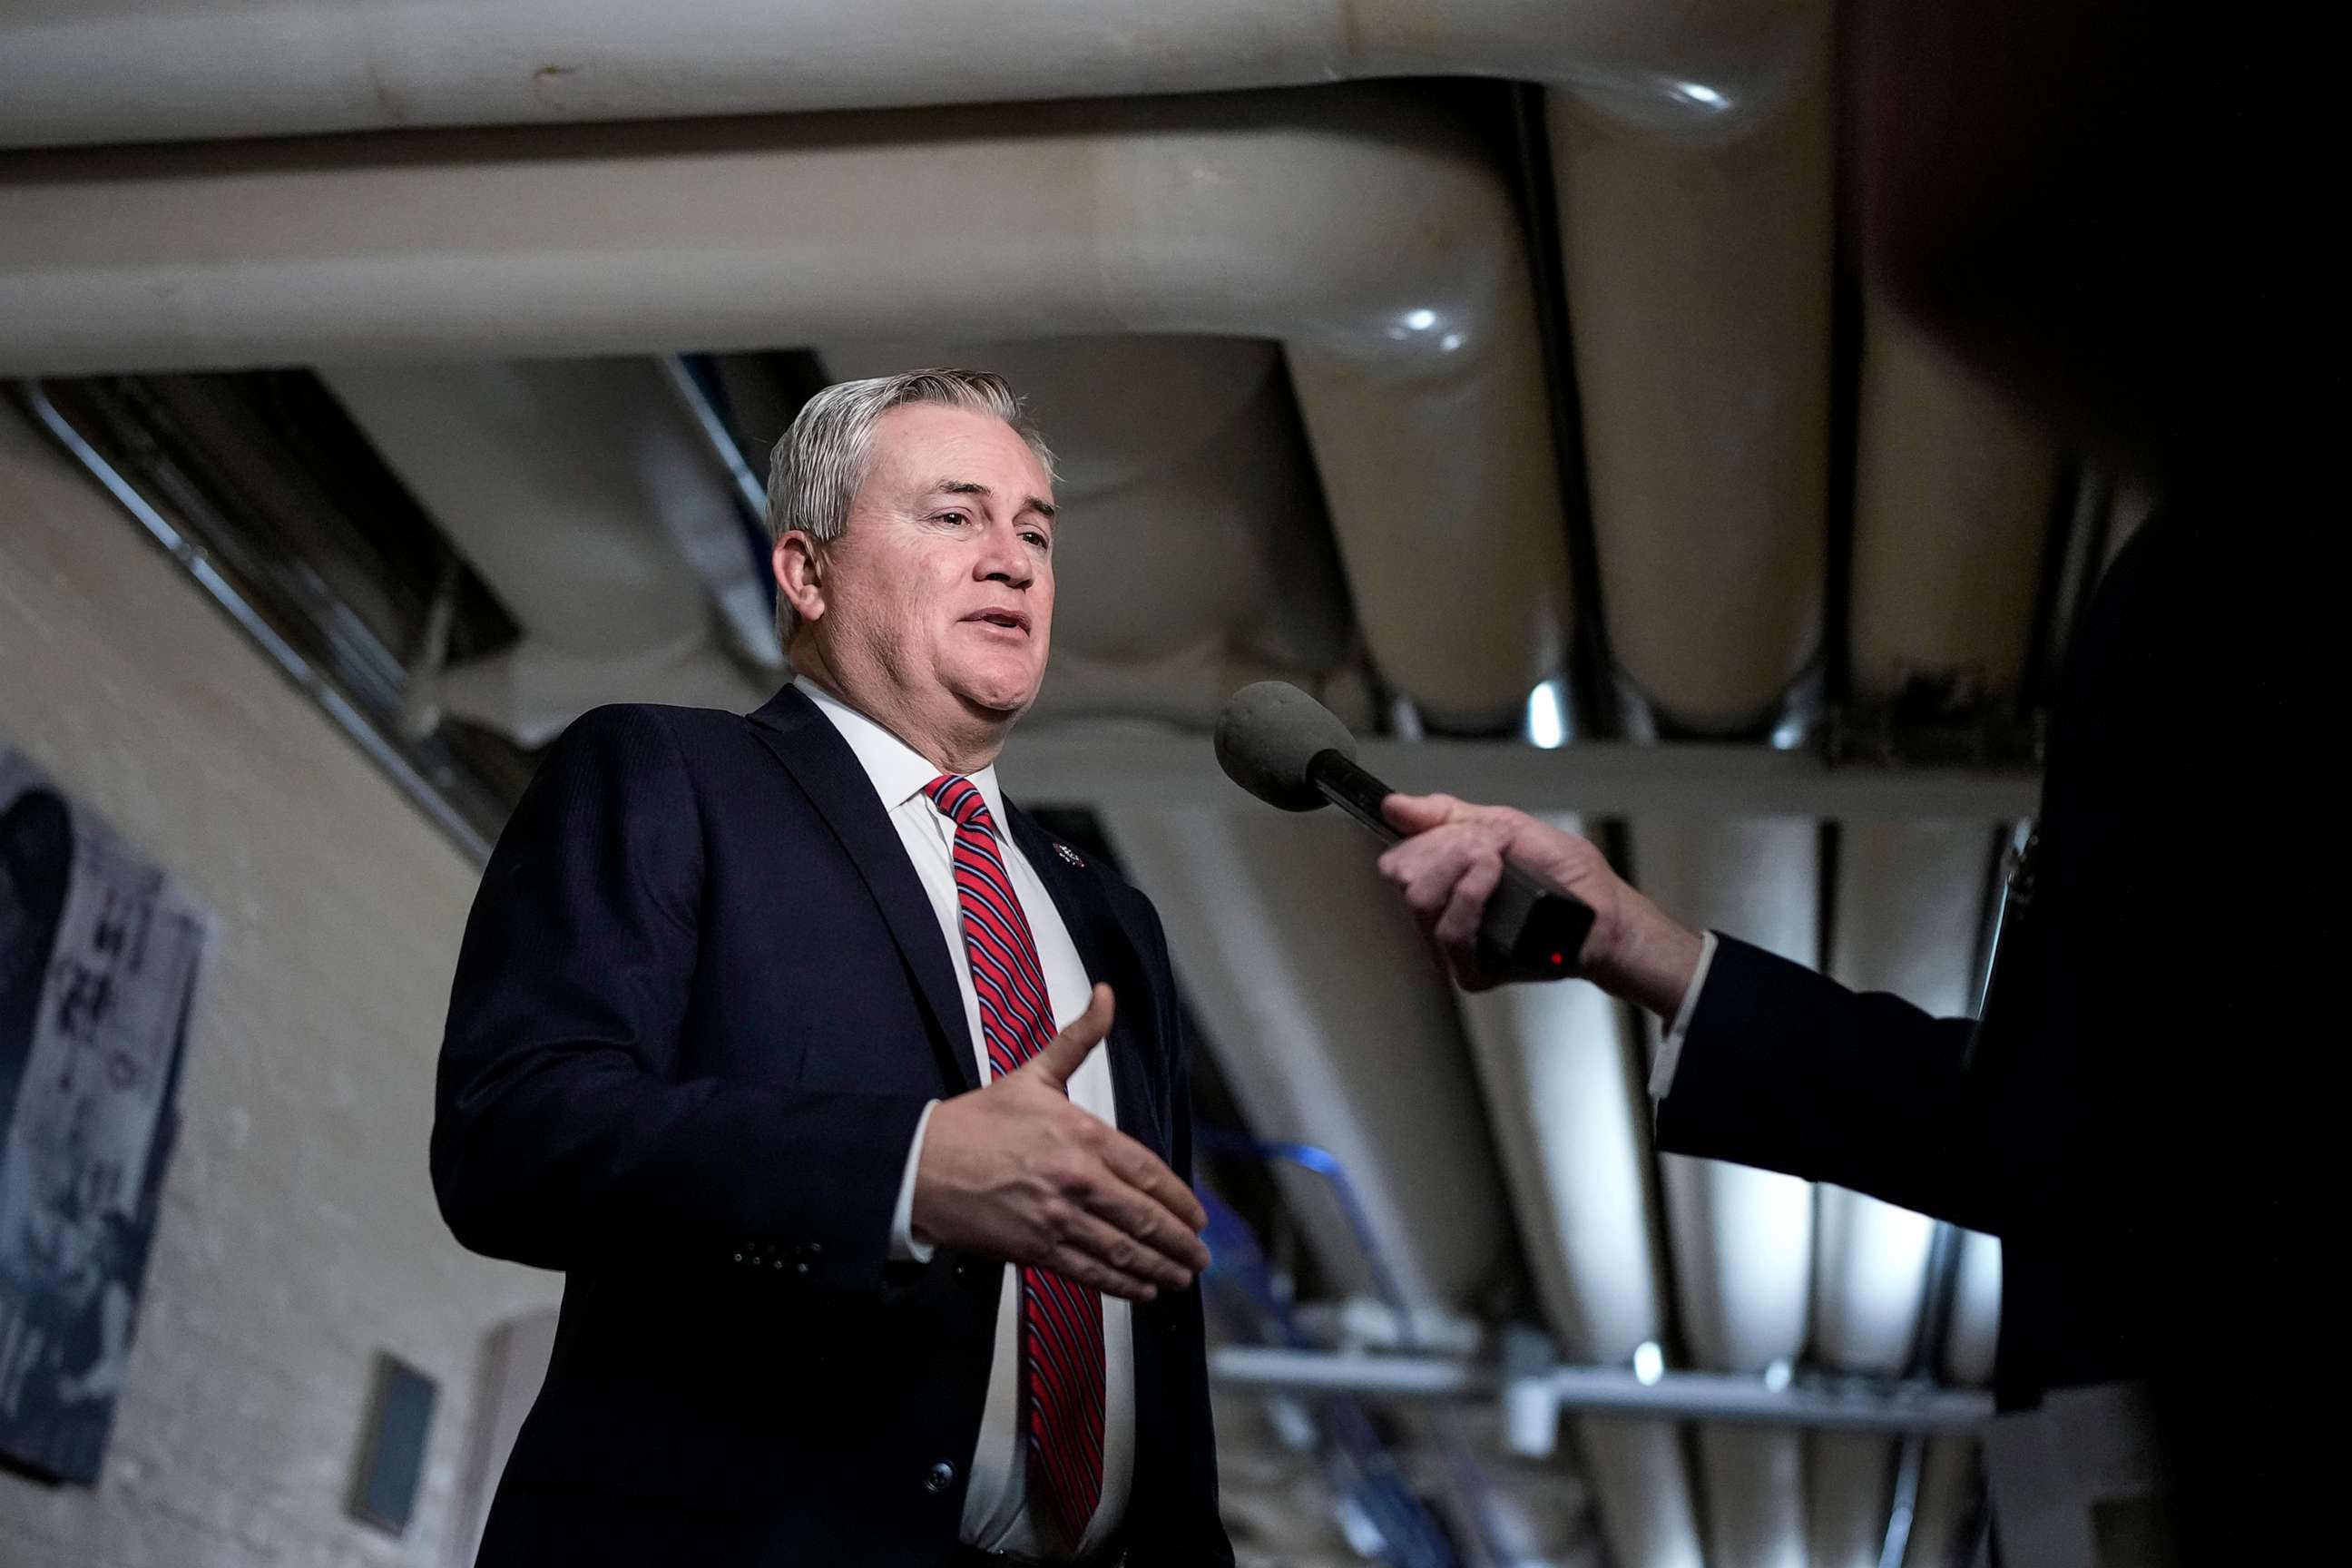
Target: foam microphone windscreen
x,y
1267,734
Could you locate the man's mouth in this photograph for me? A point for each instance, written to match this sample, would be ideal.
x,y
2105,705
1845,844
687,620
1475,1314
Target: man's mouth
x,y
1011,620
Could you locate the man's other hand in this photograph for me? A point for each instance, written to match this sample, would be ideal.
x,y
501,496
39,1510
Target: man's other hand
x,y
1015,1171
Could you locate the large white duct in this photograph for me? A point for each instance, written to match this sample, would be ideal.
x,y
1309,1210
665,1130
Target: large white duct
x,y
576,489
1849,1481
1952,491
1742,1239
74,73
1909,902
1332,1028
1559,1069
1368,233
1698,270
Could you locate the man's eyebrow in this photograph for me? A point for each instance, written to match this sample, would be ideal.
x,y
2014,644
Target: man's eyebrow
x,y
1037,504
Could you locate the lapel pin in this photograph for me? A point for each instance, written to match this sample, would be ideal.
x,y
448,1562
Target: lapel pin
x,y
1066,853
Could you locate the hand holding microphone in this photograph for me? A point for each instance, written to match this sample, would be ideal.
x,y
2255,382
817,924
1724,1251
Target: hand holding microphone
x,y
1289,751
1502,896
1456,854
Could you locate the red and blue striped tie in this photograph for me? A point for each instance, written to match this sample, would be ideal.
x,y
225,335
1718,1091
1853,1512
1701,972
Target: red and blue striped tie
x,y
1062,1332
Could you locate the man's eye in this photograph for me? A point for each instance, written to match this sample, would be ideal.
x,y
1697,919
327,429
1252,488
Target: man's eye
x,y
1039,539
955,517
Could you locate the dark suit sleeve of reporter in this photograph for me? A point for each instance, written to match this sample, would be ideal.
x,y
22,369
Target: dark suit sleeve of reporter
x,y
566,1134
1786,1070
1198,1534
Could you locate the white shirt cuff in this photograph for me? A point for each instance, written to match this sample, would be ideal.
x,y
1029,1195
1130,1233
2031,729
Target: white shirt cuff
x,y
904,1248
1670,1049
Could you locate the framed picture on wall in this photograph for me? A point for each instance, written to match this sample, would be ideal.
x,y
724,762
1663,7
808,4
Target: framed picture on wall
x,y
98,964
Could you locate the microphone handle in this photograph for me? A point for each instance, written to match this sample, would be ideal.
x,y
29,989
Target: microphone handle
x,y
1352,790
1531,930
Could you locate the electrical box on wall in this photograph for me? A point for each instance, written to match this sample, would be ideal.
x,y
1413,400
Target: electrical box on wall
x,y
392,1445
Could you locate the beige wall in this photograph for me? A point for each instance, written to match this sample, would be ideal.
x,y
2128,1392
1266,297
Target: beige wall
x,y
298,1232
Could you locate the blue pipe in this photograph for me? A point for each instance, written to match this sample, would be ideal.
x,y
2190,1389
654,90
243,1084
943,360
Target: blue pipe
x,y
1365,1472
1477,1490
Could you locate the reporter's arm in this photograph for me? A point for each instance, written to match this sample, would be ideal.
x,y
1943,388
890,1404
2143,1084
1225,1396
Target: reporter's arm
x,y
1766,1063
1786,1070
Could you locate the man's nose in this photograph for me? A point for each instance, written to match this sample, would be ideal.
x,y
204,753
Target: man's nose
x,y
1003,560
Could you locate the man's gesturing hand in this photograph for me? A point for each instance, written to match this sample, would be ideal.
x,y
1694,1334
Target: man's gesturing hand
x,y
1015,1170
1449,866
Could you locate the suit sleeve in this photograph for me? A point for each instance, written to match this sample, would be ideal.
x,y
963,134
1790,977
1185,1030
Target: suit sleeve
x,y
1786,1070
1199,1533
566,1134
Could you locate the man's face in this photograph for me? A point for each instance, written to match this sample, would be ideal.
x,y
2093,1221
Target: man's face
x,y
942,583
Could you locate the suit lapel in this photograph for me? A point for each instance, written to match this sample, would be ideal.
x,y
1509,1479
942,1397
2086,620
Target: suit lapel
x,y
828,773
1110,954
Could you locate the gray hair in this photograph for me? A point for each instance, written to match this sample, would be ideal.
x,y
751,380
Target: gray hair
x,y
815,470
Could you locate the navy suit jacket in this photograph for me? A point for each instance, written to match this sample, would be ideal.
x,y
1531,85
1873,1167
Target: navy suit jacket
x,y
701,1002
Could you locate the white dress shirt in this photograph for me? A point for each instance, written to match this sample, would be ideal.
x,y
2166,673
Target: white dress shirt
x,y
995,1507
1670,1048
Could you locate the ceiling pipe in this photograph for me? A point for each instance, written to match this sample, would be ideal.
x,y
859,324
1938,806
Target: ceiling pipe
x,y
1370,234
1855,1406
1331,1028
1698,273
205,69
1559,1066
1952,494
586,497
1953,497
1950,1487
1742,1239
1909,904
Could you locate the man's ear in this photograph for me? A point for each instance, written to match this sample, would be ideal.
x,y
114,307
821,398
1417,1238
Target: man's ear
x,y
799,564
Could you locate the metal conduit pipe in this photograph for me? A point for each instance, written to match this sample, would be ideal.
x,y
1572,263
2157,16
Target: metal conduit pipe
x,y
1751,1402
1950,1487
1741,1239
74,73
1368,233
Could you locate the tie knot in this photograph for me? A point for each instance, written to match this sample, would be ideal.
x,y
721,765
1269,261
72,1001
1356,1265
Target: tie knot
x,y
961,799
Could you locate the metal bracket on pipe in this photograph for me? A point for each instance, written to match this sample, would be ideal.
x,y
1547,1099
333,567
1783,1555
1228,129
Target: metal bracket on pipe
x,y
1608,1391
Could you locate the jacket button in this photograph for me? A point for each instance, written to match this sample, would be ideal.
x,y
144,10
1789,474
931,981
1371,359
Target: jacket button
x,y
941,1478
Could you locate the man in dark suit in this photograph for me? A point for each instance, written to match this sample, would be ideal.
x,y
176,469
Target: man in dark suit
x,y
2121,1122
754,1037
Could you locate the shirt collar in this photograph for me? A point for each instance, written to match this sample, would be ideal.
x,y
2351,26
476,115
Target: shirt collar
x,y
897,771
